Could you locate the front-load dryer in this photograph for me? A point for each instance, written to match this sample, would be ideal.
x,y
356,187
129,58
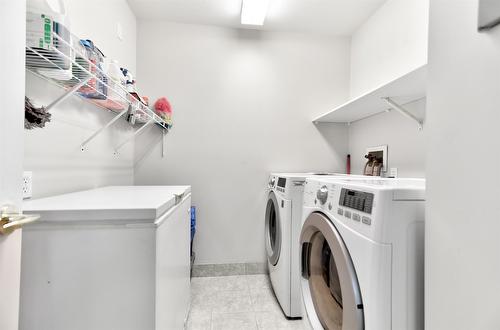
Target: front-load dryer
x,y
362,254
283,221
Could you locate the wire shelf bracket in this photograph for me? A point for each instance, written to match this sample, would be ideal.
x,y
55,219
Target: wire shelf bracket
x,y
399,108
163,144
67,94
130,138
102,129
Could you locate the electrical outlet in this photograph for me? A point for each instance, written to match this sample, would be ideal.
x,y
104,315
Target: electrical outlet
x,y
27,184
393,172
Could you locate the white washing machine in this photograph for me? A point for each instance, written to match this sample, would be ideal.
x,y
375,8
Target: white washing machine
x,y
362,254
283,220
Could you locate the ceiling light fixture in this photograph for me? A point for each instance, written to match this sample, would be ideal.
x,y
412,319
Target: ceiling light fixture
x,y
253,12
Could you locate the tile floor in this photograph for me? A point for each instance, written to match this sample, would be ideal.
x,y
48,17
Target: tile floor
x,y
244,302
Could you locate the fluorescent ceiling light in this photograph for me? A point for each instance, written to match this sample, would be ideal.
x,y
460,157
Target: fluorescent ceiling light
x,y
253,12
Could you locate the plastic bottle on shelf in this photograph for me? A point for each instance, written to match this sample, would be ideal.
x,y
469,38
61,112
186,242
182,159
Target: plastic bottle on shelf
x,y
96,87
43,18
117,94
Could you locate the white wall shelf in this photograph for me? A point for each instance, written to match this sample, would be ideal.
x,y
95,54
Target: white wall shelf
x,y
393,95
56,61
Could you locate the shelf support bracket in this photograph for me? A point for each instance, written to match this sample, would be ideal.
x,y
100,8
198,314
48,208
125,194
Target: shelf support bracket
x,y
163,143
403,111
67,94
100,130
136,133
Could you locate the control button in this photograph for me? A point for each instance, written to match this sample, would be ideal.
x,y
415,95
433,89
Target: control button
x,y
347,214
340,211
367,221
330,206
356,217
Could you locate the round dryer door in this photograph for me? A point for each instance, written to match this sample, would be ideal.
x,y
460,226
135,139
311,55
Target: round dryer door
x,y
330,286
273,229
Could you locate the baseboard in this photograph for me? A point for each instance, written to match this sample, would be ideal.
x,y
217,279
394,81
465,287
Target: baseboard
x,y
229,269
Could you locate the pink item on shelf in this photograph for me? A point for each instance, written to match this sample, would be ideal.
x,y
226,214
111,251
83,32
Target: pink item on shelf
x,y
111,104
164,110
162,105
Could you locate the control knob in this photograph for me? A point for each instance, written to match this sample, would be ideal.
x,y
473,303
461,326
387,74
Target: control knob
x,y
322,194
272,181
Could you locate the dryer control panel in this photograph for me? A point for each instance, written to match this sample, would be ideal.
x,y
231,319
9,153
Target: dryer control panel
x,y
358,200
281,184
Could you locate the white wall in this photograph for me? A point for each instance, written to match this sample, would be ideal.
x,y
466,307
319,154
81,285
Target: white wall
x,y
406,144
243,103
463,181
53,153
391,43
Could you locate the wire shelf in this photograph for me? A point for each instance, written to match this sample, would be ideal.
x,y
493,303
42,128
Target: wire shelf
x,y
65,64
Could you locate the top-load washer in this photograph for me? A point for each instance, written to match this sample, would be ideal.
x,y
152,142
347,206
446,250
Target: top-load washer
x,y
362,253
283,219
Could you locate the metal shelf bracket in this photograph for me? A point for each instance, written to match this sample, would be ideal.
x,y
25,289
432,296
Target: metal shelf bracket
x,y
130,138
100,130
163,143
67,94
403,111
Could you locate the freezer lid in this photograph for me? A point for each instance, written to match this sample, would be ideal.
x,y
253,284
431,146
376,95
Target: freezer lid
x,y
116,204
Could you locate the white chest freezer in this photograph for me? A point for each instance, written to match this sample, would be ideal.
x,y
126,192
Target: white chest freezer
x,y
107,258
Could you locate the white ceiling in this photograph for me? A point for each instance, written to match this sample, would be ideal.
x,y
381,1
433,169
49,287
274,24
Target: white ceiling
x,y
333,17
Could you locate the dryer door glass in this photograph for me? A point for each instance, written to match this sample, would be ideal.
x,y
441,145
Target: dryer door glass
x,y
330,285
273,229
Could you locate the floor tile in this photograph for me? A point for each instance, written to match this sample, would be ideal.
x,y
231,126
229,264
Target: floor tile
x,y
199,320
200,285
258,282
232,302
263,300
236,303
231,283
221,283
234,321
203,300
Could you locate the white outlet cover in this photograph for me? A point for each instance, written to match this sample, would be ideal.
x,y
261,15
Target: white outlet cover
x,y
27,184
393,172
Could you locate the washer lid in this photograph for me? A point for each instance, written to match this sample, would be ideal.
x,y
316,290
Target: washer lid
x,y
113,204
